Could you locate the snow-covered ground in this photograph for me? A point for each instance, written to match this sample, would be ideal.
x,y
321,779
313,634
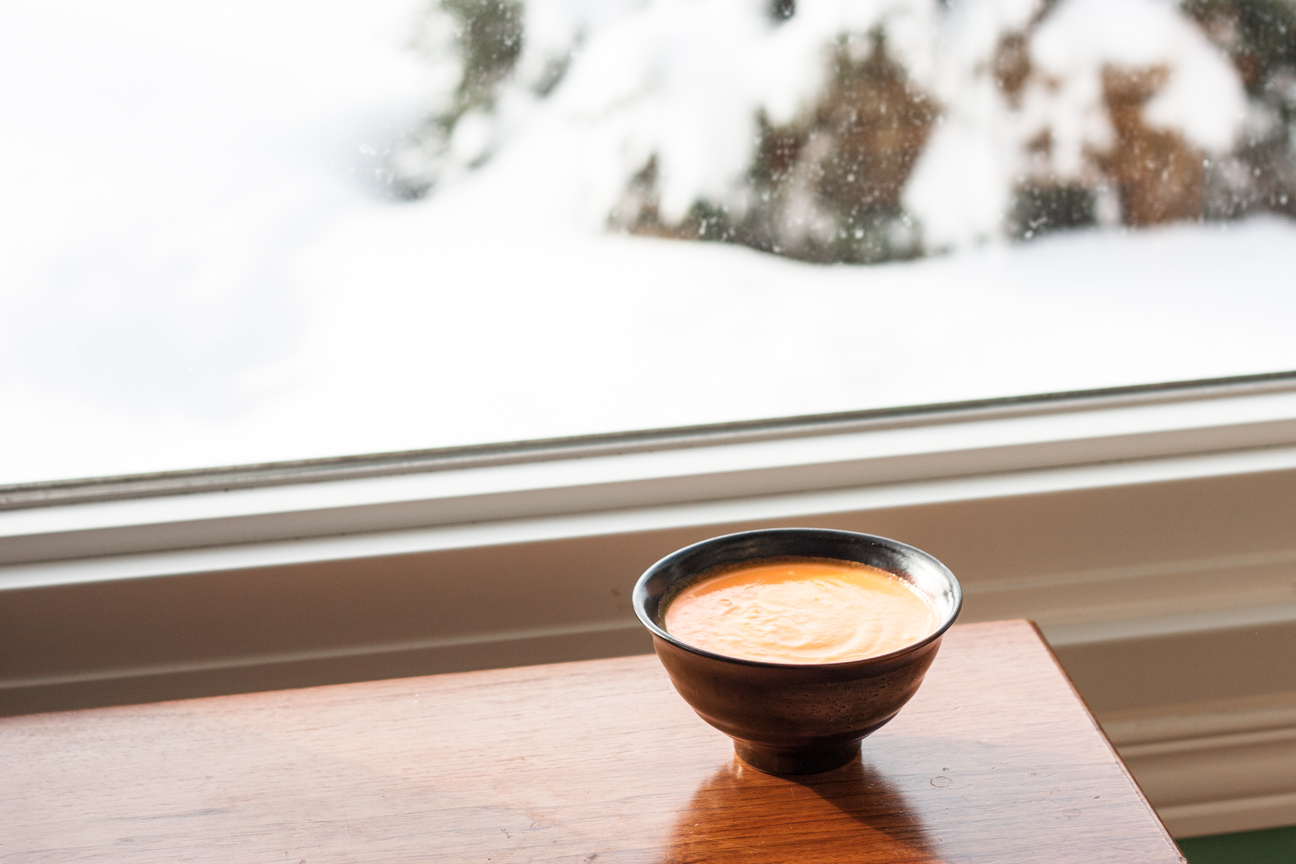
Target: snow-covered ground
x,y
199,266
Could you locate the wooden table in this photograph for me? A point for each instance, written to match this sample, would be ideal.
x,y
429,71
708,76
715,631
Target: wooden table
x,y
996,760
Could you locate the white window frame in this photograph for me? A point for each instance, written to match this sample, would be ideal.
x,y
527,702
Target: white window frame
x,y
1143,528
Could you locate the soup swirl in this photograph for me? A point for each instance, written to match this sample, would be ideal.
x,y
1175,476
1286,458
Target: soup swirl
x,y
800,611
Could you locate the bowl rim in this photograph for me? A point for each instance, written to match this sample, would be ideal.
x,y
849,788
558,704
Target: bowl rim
x,y
640,594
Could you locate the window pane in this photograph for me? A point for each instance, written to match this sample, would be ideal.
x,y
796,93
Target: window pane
x,y
244,232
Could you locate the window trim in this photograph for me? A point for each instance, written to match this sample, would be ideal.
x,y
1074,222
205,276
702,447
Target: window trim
x,y
590,479
223,479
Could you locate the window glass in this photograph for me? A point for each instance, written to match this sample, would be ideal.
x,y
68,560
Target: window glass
x,y
246,232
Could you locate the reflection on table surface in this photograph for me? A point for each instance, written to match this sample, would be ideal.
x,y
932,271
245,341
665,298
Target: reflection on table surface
x,y
852,809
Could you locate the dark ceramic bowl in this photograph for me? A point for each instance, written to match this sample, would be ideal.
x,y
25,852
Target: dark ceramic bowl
x,y
795,718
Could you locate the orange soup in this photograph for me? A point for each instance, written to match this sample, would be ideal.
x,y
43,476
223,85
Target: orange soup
x,y
800,611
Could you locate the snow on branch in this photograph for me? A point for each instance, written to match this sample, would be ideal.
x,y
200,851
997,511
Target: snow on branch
x,y
860,130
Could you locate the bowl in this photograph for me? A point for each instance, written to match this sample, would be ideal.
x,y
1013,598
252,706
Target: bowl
x,y
795,718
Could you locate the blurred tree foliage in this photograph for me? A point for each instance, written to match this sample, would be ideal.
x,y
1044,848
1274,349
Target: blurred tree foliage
x,y
828,186
1260,38
487,38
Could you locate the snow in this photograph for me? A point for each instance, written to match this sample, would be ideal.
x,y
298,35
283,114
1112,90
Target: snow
x,y
960,189
199,265
961,185
683,81
1203,97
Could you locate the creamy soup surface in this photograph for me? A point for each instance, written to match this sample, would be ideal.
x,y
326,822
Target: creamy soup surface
x,y
800,611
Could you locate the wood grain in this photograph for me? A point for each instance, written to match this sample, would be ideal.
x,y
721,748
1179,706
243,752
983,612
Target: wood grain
x,y
996,760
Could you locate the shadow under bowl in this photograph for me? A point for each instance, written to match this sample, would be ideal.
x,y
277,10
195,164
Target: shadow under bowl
x,y
795,718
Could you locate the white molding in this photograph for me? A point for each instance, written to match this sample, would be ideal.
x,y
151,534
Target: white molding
x,y
1212,770
1228,817
813,461
1170,597
214,557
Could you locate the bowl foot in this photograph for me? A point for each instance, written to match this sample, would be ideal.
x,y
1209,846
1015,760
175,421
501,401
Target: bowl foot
x,y
796,760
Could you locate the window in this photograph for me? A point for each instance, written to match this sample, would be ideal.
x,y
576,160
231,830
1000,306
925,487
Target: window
x,y
1009,281
247,233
